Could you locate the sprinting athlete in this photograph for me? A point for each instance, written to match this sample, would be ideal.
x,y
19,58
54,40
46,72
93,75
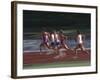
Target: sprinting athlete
x,y
55,41
45,40
63,40
79,40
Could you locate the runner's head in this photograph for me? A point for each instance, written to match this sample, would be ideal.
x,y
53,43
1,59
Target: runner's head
x,y
45,32
78,32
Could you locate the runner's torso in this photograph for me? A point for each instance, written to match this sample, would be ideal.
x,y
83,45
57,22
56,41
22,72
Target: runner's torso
x,y
79,39
52,38
45,37
62,38
55,38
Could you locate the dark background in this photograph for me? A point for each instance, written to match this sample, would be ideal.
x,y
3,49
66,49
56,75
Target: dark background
x,y
37,21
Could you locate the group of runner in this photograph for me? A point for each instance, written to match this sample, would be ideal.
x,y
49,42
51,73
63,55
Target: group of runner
x,y
57,40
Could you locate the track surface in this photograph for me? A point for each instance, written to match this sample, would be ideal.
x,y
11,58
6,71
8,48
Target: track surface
x,y
36,57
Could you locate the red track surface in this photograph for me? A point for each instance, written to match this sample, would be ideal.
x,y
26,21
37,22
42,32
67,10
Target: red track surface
x,y
35,57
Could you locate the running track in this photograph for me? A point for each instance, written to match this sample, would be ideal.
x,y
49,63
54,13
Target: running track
x,y
36,57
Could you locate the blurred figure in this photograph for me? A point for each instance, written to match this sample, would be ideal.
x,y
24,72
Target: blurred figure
x,y
55,41
45,40
63,39
79,41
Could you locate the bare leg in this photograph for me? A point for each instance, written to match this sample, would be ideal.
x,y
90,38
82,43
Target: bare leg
x,y
41,45
56,49
47,45
76,53
66,47
83,49
57,52
60,53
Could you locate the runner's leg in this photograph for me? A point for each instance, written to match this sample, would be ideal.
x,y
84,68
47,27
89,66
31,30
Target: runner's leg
x,y
83,49
77,47
41,45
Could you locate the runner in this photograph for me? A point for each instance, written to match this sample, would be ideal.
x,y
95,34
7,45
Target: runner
x,y
63,45
55,41
45,40
63,39
79,40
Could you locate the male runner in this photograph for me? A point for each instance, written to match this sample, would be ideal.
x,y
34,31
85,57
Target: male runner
x,y
55,41
63,40
79,40
45,40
